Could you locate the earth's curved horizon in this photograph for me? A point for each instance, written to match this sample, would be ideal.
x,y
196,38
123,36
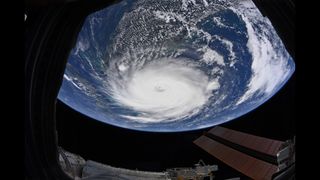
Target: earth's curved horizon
x,y
172,66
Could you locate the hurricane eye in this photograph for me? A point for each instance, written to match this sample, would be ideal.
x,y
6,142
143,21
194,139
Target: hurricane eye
x,y
174,65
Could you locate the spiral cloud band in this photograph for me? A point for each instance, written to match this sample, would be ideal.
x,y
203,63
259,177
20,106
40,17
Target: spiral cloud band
x,y
163,90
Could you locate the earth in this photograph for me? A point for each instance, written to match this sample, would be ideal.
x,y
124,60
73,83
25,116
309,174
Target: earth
x,y
170,66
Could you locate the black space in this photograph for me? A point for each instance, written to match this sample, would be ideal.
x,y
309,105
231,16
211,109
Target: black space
x,y
157,151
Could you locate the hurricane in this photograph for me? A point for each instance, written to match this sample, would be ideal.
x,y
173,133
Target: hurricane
x,y
163,90
174,65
